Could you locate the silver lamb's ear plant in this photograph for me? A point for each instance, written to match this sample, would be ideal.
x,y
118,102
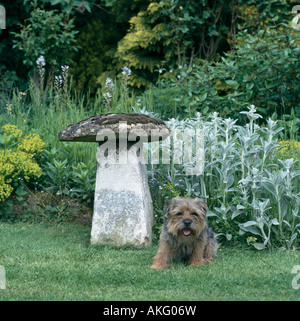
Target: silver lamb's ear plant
x,y
271,130
247,190
212,133
252,116
267,147
290,175
227,127
247,150
260,224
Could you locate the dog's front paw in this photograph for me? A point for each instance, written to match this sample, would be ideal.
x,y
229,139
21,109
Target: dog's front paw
x,y
208,260
196,262
158,266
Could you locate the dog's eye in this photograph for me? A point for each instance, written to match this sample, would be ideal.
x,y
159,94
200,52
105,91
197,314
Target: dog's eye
x,y
195,214
179,214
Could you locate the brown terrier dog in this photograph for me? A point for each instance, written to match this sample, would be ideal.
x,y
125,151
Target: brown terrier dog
x,y
185,234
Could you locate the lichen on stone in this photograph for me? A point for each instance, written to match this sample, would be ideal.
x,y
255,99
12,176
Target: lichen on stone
x,y
86,130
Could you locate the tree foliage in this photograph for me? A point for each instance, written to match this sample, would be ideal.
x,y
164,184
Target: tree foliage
x,y
145,35
176,32
170,33
47,34
262,70
94,57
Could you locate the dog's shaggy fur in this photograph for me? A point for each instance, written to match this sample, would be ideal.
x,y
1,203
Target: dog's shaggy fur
x,y
185,234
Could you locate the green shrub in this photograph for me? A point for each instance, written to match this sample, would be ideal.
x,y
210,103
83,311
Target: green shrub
x,y
65,179
18,159
46,40
262,70
167,102
93,58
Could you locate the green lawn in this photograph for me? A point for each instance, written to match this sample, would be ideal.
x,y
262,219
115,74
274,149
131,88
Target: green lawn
x,y
57,263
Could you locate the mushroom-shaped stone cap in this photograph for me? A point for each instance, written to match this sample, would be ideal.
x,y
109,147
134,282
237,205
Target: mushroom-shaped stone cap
x,y
120,124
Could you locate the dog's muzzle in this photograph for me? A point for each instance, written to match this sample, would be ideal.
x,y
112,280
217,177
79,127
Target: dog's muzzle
x,y
187,230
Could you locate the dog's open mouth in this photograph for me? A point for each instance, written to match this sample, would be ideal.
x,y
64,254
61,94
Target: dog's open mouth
x,y
186,232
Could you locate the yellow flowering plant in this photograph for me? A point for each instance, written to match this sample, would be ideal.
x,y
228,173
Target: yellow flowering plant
x,y
18,159
288,149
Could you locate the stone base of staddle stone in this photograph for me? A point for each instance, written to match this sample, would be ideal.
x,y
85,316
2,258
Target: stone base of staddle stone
x,y
123,212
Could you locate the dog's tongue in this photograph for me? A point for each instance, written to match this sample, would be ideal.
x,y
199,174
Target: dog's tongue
x,y
186,232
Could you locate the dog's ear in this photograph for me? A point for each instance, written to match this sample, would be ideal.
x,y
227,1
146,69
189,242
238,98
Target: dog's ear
x,y
170,206
201,205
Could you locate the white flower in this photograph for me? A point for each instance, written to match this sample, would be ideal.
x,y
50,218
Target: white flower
x,y
107,95
109,83
41,62
65,68
126,71
58,81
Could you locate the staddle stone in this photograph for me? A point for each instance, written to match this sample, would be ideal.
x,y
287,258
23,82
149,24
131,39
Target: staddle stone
x,y
123,212
87,130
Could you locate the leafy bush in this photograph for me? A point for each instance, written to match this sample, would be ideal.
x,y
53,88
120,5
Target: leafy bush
x,y
167,103
94,55
18,159
58,191
65,179
253,195
172,32
50,35
262,70
169,33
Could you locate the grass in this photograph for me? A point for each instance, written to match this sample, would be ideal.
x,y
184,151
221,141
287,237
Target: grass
x,y
57,263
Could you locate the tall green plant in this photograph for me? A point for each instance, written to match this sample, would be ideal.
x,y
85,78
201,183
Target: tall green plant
x,y
46,41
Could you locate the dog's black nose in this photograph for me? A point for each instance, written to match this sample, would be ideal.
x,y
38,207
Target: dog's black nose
x,y
187,223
